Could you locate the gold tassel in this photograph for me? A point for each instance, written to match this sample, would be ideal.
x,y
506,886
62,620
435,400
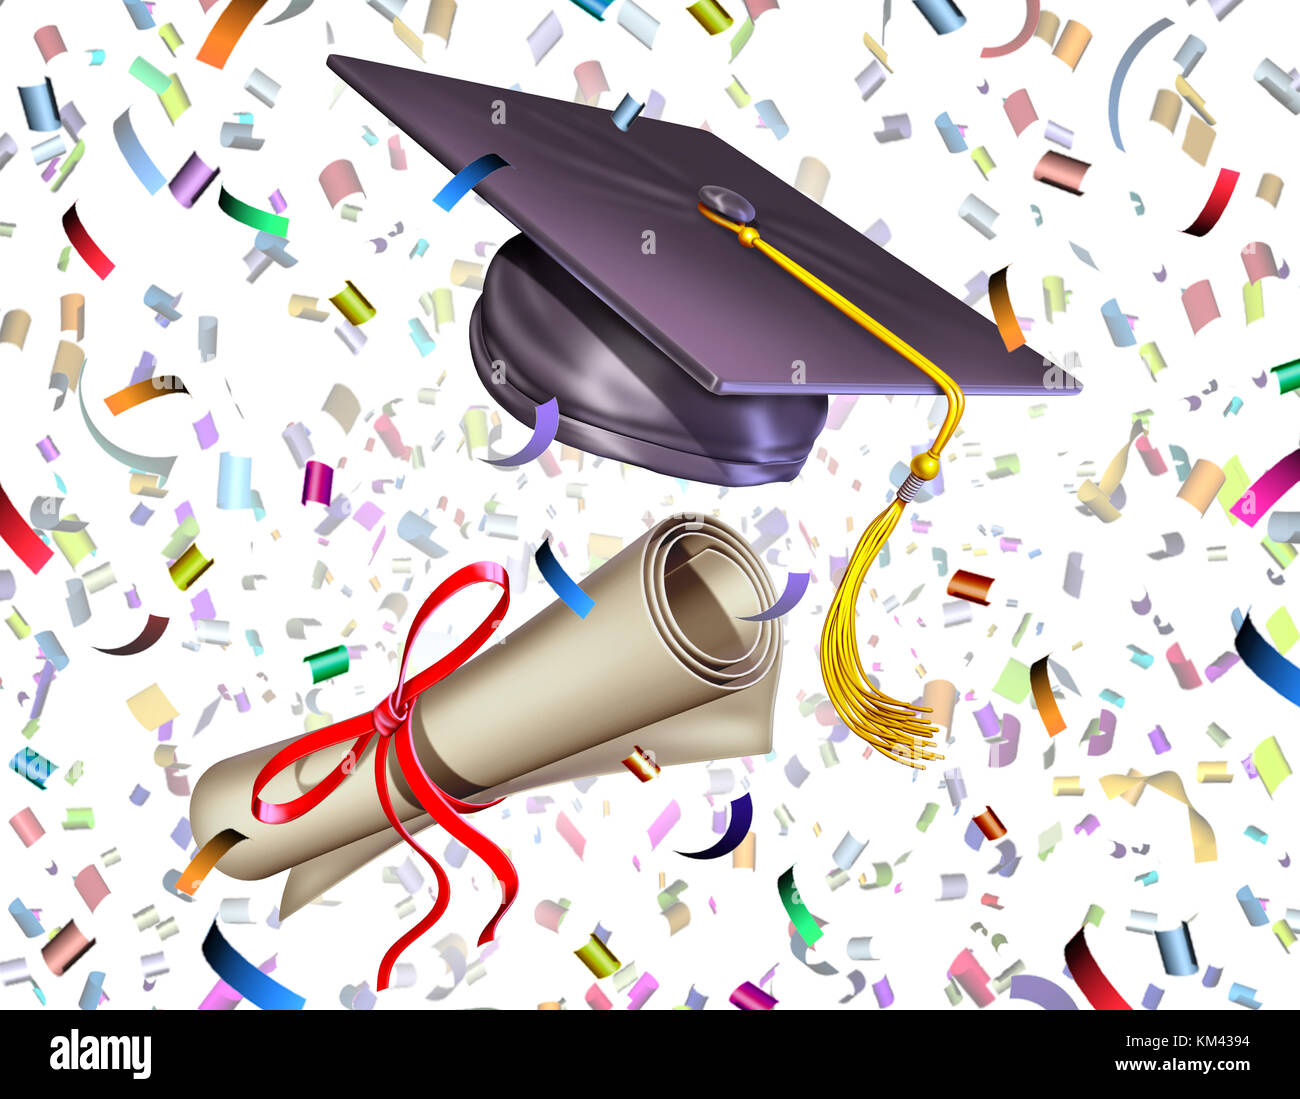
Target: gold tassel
x,y
892,727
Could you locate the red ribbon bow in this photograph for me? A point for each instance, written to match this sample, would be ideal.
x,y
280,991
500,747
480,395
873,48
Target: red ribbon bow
x,y
391,722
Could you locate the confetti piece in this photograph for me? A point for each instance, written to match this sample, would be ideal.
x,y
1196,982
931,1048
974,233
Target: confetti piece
x,y
1088,976
86,248
317,483
711,16
571,835
799,915
253,217
1032,11
1062,172
1012,334
1257,500
641,764
1044,699
136,158
598,958
545,424
242,976
544,36
189,567
561,583
133,395
188,880
338,179
353,304
20,538
989,824
328,663
970,586
150,635
796,584
39,107
33,766
1209,216
66,948
626,112
1131,787
224,34
468,178
749,997
945,17
742,815
1121,73
1038,990
1270,764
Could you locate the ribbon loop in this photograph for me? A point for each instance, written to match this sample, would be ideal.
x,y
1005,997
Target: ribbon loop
x,y
390,720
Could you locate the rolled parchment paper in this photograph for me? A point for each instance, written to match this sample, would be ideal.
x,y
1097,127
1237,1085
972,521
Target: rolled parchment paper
x,y
662,661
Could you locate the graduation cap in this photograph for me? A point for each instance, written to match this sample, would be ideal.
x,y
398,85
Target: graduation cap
x,y
691,312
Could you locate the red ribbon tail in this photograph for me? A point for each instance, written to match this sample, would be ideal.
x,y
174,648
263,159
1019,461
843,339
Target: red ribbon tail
x,y
443,898
439,805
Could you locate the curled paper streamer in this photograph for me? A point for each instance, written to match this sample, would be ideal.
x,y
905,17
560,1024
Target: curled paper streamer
x,y
86,248
245,978
1266,662
468,178
561,582
216,48
1039,990
147,390
1032,11
1209,216
796,584
150,635
1121,73
742,816
1131,786
1013,335
20,538
803,920
136,158
545,425
1265,492
1097,497
1088,976
251,216
208,856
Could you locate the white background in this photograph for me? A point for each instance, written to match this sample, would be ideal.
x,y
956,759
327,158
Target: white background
x,y
278,370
